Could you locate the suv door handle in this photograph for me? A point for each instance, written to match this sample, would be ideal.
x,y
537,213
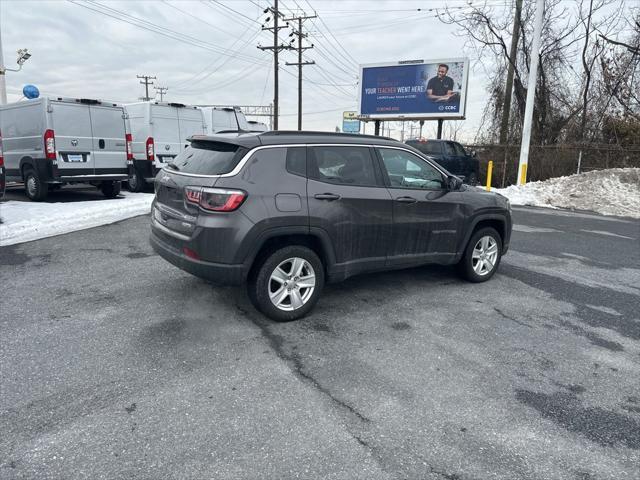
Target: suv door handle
x,y
406,200
327,196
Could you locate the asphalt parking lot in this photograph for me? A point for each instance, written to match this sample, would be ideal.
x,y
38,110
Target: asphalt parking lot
x,y
115,364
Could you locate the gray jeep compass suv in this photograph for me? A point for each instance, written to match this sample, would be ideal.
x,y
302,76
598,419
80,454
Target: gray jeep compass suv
x,y
286,212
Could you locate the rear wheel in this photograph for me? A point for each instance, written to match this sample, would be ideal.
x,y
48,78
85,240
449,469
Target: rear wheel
x,y
110,189
482,255
288,283
34,188
136,181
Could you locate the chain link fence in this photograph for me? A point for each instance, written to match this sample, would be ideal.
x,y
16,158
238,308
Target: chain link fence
x,y
552,160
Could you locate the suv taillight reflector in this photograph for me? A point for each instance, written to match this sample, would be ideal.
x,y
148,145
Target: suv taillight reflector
x,y
214,199
150,149
49,145
127,140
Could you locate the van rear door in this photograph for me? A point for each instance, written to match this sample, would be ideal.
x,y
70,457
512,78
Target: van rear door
x,y
109,144
190,122
71,123
166,134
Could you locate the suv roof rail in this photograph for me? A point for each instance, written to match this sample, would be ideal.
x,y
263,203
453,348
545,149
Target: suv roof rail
x,y
323,134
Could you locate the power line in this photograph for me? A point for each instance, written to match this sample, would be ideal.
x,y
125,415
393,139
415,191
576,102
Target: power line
x,y
146,84
301,35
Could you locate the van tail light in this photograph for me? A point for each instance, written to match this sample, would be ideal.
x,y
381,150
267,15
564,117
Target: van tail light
x,y
214,199
49,145
127,140
150,149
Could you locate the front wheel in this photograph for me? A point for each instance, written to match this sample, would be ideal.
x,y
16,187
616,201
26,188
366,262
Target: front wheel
x,y
288,283
482,255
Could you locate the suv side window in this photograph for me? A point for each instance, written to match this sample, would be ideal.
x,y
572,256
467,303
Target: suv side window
x,y
297,161
344,165
449,150
407,170
459,150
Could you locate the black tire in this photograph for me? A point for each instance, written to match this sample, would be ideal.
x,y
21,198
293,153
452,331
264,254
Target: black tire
x,y
136,182
472,179
466,264
260,283
110,189
34,188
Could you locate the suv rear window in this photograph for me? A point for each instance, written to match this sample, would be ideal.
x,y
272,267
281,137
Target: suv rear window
x,y
430,148
208,158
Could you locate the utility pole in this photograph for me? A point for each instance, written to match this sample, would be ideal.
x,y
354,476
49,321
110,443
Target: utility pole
x,y
508,89
3,85
161,91
531,94
146,84
300,63
276,49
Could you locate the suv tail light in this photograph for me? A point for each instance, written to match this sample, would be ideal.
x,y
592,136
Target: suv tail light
x,y
127,140
150,149
1,157
49,145
214,199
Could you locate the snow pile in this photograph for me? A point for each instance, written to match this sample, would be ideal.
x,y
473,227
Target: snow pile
x,y
615,191
26,221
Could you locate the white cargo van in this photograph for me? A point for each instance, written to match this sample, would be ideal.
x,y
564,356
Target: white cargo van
x,y
257,126
224,119
48,142
159,133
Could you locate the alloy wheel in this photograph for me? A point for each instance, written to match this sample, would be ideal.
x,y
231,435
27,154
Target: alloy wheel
x,y
291,284
485,255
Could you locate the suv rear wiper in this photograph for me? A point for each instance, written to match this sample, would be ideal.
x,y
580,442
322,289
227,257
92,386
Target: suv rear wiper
x,y
172,166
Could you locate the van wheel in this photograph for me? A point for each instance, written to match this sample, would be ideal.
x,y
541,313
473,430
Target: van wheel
x,y
288,283
482,256
136,182
110,189
34,188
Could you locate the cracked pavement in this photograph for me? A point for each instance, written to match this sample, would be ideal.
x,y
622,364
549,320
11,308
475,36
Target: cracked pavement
x,y
115,364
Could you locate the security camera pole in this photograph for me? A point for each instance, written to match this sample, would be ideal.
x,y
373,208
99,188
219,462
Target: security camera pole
x,y
23,56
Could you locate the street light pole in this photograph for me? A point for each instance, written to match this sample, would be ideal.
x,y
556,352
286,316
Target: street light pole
x,y
3,85
531,94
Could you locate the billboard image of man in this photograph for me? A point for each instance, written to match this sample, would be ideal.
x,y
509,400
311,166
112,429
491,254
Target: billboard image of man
x,y
440,87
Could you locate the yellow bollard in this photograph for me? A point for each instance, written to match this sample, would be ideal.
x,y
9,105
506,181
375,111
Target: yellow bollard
x,y
523,174
489,172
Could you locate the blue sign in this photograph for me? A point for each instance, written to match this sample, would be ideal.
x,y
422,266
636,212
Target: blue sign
x,y
350,122
30,91
416,90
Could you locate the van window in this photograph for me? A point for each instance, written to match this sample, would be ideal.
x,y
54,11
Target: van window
x,y
208,158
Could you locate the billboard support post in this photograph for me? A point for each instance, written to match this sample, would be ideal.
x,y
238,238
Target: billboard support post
x,y
377,129
440,122
421,125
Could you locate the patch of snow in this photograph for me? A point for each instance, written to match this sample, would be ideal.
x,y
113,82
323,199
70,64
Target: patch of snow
x,y
26,221
614,191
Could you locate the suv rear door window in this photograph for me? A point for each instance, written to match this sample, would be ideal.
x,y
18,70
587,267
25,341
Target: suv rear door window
x,y
459,150
208,158
343,165
449,150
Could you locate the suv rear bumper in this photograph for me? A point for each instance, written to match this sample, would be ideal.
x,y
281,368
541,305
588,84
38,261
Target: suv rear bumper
x,y
220,273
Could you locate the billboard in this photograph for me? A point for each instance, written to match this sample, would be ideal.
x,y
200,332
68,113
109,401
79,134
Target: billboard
x,y
350,122
414,89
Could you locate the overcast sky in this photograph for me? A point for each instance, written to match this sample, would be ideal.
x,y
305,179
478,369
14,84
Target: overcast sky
x,y
78,52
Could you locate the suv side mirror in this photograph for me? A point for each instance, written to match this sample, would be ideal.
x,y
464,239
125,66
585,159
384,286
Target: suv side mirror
x,y
453,183
473,153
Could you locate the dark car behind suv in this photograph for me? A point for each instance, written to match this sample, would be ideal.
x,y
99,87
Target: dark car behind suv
x,y
287,211
451,156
